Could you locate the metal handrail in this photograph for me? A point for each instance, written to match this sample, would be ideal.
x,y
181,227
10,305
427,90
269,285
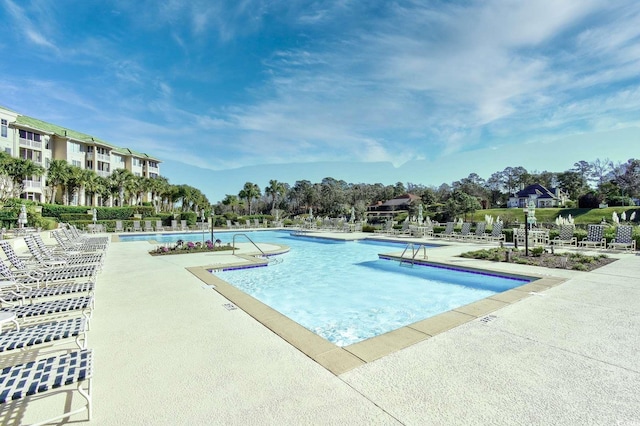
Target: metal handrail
x,y
414,252
247,237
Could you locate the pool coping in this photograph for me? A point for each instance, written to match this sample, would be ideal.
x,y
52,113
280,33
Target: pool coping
x,y
338,359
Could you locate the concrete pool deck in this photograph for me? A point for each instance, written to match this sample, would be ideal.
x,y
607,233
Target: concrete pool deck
x,y
170,350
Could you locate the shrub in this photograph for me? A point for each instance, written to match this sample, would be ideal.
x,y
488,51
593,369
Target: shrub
x,y
537,251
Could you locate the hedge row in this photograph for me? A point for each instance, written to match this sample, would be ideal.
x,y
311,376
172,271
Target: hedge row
x,y
103,213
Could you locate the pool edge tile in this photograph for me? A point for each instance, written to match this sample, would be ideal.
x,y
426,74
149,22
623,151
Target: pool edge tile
x,y
442,322
392,341
481,307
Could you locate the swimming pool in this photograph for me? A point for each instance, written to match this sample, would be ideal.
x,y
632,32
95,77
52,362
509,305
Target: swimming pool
x,y
343,291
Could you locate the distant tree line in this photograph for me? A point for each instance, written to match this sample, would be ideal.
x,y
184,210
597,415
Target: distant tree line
x,y
588,184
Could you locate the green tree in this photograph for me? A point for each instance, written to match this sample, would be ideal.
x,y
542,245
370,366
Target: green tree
x,y
573,183
274,190
19,169
58,174
92,186
249,192
158,186
461,203
232,202
628,177
584,169
120,182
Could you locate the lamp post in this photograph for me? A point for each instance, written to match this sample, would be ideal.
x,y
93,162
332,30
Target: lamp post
x,y
526,231
212,223
529,218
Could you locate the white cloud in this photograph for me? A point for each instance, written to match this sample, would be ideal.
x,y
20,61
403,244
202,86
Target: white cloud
x,y
32,30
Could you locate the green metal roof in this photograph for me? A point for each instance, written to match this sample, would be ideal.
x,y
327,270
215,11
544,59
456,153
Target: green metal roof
x,y
139,154
43,126
8,109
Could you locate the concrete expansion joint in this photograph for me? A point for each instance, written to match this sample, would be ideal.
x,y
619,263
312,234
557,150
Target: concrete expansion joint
x,y
371,401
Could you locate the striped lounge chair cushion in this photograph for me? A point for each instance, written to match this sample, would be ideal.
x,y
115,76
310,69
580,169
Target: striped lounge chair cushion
x,y
50,307
34,377
53,290
41,333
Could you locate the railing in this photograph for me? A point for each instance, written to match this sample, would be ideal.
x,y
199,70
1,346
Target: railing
x,y
250,240
103,173
30,143
104,157
31,184
415,249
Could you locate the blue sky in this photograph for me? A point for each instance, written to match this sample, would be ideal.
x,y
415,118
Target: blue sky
x,y
220,85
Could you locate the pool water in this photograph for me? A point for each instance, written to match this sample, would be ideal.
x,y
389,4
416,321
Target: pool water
x,y
343,291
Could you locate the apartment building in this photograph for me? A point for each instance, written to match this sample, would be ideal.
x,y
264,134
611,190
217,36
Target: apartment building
x,y
29,138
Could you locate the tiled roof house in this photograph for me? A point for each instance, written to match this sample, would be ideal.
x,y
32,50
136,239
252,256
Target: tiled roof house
x,y
541,196
393,206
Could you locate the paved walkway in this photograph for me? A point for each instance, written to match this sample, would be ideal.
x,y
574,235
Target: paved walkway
x,y
169,351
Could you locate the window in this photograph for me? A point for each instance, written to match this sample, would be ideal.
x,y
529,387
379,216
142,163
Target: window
x,y
3,128
29,135
7,150
74,147
90,164
76,163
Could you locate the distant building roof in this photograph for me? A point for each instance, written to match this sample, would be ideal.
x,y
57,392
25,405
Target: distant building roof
x,y
538,190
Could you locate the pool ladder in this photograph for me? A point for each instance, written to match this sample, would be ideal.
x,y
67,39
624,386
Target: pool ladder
x,y
414,250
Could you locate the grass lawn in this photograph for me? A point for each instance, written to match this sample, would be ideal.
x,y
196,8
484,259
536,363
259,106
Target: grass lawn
x,y
549,215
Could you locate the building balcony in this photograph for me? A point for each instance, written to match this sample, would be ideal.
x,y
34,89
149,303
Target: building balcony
x,y
30,143
103,173
30,185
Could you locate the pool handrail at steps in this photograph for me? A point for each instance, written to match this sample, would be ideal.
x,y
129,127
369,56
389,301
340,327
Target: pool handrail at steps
x,y
250,240
415,249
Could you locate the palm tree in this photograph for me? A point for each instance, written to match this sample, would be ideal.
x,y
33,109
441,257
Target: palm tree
x,y
92,185
274,190
172,195
139,186
231,201
76,182
158,187
249,192
185,195
58,174
120,182
18,169
103,189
